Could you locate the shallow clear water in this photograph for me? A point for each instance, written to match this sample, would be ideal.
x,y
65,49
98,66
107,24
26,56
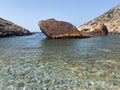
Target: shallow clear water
x,y
38,63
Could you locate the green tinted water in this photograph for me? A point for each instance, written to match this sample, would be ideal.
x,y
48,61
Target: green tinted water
x,y
38,63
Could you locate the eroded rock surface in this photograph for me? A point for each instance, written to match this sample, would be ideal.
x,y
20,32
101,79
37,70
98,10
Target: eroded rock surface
x,y
98,30
111,20
8,28
60,29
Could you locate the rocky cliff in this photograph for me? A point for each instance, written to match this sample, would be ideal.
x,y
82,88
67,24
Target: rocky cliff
x,y
8,28
111,20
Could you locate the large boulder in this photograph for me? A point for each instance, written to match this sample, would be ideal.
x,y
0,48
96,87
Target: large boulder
x,y
99,30
60,29
8,28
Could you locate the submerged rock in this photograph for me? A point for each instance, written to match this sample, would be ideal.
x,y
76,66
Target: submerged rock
x,y
60,29
8,28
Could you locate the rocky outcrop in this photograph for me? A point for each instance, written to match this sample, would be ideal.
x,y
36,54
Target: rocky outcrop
x,y
8,28
111,20
98,30
60,29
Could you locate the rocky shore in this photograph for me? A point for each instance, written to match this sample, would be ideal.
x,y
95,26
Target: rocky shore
x,y
110,19
8,28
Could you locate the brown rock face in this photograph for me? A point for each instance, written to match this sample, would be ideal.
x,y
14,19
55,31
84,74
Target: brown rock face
x,y
99,30
8,28
111,20
60,29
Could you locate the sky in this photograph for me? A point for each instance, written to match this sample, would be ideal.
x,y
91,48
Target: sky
x,y
27,13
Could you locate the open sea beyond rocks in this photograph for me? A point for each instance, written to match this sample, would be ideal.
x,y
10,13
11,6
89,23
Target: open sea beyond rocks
x,y
37,63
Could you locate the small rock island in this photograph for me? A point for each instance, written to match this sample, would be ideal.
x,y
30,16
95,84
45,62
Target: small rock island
x,y
60,29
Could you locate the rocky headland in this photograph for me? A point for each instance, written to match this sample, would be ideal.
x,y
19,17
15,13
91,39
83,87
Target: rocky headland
x,y
98,30
8,28
110,19
60,29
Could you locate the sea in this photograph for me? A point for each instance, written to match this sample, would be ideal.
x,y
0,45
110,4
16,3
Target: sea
x,y
36,62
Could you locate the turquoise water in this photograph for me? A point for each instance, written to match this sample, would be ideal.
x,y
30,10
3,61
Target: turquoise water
x,y
38,63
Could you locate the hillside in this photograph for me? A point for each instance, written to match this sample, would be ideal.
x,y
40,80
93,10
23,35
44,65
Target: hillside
x,y
8,28
111,19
